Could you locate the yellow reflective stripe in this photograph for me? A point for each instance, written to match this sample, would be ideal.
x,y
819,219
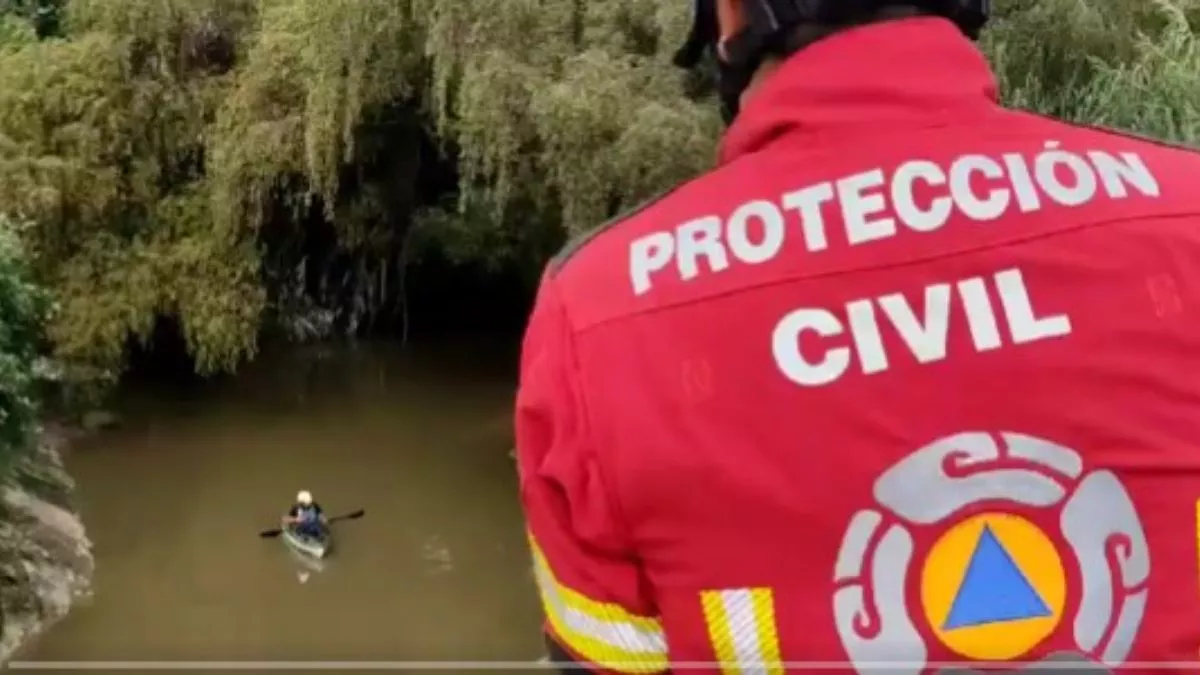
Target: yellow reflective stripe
x,y
719,633
741,626
763,605
603,633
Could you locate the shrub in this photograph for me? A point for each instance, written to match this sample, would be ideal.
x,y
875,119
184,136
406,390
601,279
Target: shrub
x,y
1127,64
22,309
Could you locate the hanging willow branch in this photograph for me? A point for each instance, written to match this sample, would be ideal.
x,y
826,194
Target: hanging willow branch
x,y
183,157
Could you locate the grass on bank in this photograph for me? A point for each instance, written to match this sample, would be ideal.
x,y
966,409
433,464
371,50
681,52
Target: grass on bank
x,y
1128,64
22,310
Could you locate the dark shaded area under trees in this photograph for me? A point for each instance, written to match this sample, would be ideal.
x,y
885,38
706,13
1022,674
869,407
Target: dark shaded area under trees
x,y
212,173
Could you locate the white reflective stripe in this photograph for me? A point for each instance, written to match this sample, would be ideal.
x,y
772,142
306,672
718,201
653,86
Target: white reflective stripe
x,y
743,626
623,635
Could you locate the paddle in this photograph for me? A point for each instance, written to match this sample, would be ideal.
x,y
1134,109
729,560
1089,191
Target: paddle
x,y
354,515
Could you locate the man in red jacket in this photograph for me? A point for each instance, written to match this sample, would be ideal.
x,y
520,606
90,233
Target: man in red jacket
x,y
908,380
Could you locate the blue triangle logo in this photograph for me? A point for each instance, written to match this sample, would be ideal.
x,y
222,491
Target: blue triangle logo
x,y
993,589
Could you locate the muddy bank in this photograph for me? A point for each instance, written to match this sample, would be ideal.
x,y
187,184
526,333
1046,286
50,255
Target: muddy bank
x,y
45,555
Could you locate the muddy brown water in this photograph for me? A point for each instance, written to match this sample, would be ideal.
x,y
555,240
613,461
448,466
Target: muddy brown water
x,y
437,570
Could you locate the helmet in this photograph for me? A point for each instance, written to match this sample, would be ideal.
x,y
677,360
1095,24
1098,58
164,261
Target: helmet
x,y
747,31
304,497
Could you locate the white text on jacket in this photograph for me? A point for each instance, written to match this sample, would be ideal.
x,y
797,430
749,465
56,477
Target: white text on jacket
x,y
875,206
924,336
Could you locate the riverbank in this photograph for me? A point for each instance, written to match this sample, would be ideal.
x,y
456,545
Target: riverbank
x,y
45,555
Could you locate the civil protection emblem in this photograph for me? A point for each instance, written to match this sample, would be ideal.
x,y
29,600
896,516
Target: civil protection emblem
x,y
951,555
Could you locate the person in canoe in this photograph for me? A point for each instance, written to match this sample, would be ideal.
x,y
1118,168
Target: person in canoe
x,y
306,516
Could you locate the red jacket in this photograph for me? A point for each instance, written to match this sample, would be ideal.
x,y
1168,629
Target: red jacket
x,y
909,378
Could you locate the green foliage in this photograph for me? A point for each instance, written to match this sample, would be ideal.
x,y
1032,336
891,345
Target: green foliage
x,y
22,308
15,33
101,140
33,18
189,157
1130,65
567,104
316,68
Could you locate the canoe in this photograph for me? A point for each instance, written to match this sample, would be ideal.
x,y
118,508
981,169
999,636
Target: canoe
x,y
316,547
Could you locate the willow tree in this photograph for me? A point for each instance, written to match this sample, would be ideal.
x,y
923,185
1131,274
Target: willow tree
x,y
568,104
228,162
101,145
556,114
313,133
1128,64
566,110
164,148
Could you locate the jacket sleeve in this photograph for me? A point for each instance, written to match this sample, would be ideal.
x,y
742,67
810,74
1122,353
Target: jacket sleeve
x,y
598,608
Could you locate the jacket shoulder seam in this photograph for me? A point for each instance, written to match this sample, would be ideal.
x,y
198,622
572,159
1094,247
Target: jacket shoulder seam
x,y
1121,133
577,243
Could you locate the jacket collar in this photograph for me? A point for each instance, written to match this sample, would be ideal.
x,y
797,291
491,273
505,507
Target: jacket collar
x,y
906,72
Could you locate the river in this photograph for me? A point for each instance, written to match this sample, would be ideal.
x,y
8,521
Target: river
x,y
174,499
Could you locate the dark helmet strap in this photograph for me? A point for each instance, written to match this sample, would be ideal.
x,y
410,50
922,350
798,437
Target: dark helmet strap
x,y
769,22
769,25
